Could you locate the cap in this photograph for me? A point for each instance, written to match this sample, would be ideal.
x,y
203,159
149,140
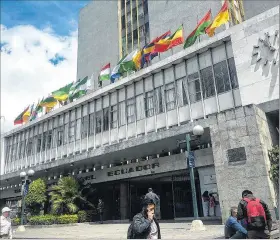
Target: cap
x,y
6,209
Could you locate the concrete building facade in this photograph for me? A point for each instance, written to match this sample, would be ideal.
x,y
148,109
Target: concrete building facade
x,y
123,137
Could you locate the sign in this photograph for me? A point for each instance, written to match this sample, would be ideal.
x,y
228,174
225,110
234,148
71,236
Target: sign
x,y
191,159
132,169
236,155
26,188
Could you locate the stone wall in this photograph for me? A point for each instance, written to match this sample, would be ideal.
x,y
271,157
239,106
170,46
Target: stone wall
x,y
242,127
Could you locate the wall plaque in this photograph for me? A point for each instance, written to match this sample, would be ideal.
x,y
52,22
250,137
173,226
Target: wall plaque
x,y
236,155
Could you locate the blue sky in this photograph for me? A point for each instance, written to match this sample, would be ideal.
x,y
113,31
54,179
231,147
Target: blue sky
x,y
61,16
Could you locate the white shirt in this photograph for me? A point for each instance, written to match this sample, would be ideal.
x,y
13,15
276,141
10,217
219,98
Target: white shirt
x,y
5,226
154,231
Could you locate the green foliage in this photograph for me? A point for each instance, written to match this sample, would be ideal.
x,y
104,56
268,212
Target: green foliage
x,y
274,162
82,216
43,220
16,221
36,196
66,219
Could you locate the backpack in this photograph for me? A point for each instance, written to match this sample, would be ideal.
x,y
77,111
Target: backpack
x,y
255,214
130,234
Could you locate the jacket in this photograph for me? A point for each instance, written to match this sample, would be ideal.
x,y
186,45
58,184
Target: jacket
x,y
242,212
232,226
153,196
142,226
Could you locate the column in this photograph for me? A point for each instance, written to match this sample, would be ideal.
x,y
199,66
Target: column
x,y
124,206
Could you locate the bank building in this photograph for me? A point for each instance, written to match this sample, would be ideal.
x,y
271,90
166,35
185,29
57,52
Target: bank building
x,y
127,136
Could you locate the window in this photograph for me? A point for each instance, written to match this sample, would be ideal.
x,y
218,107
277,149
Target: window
x,y
140,107
66,132
84,126
130,110
59,136
98,122
105,119
49,139
39,143
44,141
185,98
170,96
221,77
158,100
149,104
194,87
122,115
207,80
232,73
91,124
72,131
29,147
114,116
78,129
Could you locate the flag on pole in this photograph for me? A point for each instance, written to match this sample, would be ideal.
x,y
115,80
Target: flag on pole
x,y
199,30
105,73
221,18
131,62
62,93
37,110
19,119
27,114
116,71
48,102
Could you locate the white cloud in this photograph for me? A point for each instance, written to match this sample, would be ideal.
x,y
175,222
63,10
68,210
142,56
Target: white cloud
x,y
26,73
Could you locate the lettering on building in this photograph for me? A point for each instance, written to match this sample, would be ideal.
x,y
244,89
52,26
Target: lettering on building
x,y
132,169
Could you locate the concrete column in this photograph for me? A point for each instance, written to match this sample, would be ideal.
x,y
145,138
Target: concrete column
x,y
124,206
237,128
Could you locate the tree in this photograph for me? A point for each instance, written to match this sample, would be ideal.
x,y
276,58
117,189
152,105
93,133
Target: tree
x,y
66,196
36,196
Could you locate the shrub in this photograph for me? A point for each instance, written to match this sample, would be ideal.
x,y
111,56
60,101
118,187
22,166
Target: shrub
x,y
91,215
16,221
42,220
64,219
82,216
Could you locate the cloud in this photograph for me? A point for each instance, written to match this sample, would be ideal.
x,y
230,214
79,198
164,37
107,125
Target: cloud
x,y
34,63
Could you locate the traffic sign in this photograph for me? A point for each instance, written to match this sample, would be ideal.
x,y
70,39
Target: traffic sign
x,y
191,159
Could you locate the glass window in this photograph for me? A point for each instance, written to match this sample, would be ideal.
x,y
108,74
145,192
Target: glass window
x,y
105,119
149,104
66,131
185,98
39,143
84,126
122,115
54,137
232,73
221,77
130,110
72,131
158,100
170,96
49,139
59,136
194,87
140,107
207,80
114,116
44,143
91,124
29,146
78,129
98,122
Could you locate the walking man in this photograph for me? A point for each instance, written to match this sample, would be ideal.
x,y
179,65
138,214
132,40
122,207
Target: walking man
x,y
233,229
153,196
5,224
255,213
100,208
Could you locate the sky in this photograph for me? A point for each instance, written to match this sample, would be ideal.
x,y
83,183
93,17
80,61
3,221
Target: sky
x,y
38,52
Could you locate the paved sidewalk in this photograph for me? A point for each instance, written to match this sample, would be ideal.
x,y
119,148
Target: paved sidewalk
x,y
116,231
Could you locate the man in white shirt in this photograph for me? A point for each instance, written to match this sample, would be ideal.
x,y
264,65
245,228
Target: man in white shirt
x,y
5,224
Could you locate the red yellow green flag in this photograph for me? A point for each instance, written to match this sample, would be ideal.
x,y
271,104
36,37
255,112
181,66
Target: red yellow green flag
x,y
19,119
199,30
221,18
167,43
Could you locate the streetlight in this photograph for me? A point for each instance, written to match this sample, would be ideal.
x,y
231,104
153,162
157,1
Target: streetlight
x,y
24,190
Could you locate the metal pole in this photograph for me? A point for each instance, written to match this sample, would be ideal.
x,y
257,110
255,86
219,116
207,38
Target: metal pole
x,y
22,203
194,200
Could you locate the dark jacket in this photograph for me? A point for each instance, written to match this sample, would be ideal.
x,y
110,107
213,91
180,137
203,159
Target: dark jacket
x,y
100,207
242,212
232,226
153,196
142,226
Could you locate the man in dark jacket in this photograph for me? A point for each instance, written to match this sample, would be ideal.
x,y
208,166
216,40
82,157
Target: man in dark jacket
x,y
152,196
100,208
145,225
257,227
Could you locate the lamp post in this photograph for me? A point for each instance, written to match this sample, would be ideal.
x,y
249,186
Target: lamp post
x,y
24,190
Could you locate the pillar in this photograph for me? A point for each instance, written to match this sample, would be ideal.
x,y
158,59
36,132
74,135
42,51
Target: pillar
x,y
238,130
124,205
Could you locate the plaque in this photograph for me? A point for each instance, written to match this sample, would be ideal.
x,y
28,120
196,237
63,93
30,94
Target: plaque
x,y
236,155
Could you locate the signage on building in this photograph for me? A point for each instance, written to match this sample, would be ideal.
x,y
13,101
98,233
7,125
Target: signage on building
x,y
191,159
132,169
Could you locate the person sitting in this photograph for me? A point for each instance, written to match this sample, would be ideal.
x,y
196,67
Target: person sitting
x,y
233,229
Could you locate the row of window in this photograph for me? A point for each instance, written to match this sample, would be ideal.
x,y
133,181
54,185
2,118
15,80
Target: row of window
x,y
221,76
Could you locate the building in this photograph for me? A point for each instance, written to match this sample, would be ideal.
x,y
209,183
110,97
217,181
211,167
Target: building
x,y
124,136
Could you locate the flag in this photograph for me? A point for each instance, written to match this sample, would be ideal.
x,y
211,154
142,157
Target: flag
x,y
105,73
165,44
221,18
27,114
48,102
131,62
149,50
199,30
78,84
116,71
37,109
19,119
62,93
78,94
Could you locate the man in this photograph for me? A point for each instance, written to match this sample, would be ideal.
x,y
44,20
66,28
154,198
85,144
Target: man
x,y
233,229
255,213
5,224
144,224
152,196
100,208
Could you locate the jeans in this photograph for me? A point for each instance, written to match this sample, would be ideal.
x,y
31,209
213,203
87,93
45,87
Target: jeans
x,y
239,235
